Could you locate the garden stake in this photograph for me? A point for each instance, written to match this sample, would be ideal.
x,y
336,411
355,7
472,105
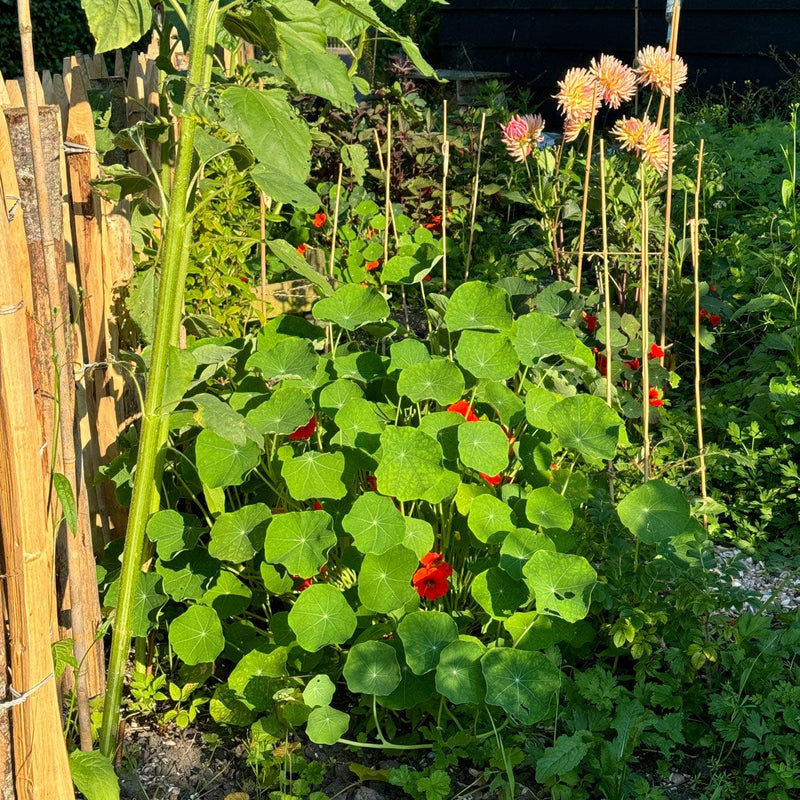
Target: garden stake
x,y
586,175
475,197
65,397
150,457
263,248
673,44
445,169
386,179
607,297
695,240
336,220
644,290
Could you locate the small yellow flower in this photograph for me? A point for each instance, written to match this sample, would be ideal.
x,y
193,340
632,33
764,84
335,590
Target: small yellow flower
x,y
616,81
654,68
579,95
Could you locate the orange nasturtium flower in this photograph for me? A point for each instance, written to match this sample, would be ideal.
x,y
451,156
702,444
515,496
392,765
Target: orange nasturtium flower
x,y
655,398
616,82
319,220
654,66
521,134
430,580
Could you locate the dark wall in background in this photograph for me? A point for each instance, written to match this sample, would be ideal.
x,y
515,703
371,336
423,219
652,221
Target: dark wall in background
x,y
536,41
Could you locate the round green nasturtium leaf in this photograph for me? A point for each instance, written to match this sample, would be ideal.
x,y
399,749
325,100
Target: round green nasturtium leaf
x,y
438,379
539,335
518,546
458,674
407,352
538,402
196,635
313,475
227,708
286,410
334,395
187,576
497,593
418,536
372,668
321,616
359,365
173,532
288,358
508,405
413,690
326,725
489,518
275,581
404,269
223,463
546,507
352,306
442,425
424,635
300,540
411,463
483,446
586,424
531,630
478,305
522,683
253,678
466,494
375,523
236,536
445,487
319,691
487,355
228,596
384,582
147,601
654,512
561,582
359,425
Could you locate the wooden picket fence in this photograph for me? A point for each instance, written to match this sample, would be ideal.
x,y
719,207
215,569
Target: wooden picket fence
x,y
48,588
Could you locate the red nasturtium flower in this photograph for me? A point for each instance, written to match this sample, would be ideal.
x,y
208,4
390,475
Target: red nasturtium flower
x,y
591,322
371,266
655,398
714,320
427,278
492,480
633,365
372,482
430,580
601,362
465,409
656,351
319,220
304,431
435,224
301,248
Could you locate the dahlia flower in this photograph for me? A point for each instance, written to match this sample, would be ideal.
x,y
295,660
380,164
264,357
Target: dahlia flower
x,y
654,69
616,82
579,95
521,134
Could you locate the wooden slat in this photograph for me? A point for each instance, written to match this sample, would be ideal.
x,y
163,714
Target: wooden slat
x,y
60,98
152,101
136,102
119,64
5,100
16,93
47,88
100,69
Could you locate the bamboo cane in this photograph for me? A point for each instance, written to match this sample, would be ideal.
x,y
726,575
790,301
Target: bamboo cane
x,y
644,290
695,240
336,221
586,174
445,170
673,46
474,209
386,183
606,299
263,254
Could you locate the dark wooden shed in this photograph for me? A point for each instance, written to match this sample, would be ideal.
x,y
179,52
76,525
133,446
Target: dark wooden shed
x,y
536,41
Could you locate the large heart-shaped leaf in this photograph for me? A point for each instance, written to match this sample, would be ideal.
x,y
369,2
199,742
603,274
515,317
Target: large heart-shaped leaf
x,y
352,306
196,635
237,536
654,511
588,425
539,335
438,379
94,775
561,582
321,616
483,446
478,305
487,355
458,674
221,462
548,508
374,523
411,463
300,540
424,635
313,475
384,581
118,23
522,683
372,668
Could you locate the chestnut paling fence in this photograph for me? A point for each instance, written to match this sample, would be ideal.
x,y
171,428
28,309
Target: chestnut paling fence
x,y
54,516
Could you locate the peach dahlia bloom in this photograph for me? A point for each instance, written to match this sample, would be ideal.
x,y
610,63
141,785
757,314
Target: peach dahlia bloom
x,y
654,69
579,95
645,139
521,134
616,81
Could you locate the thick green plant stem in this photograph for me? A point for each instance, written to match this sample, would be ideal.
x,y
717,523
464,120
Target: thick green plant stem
x,y
150,460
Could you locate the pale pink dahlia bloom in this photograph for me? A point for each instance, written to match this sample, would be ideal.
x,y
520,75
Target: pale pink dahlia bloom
x,y
654,69
579,95
522,133
616,81
645,139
